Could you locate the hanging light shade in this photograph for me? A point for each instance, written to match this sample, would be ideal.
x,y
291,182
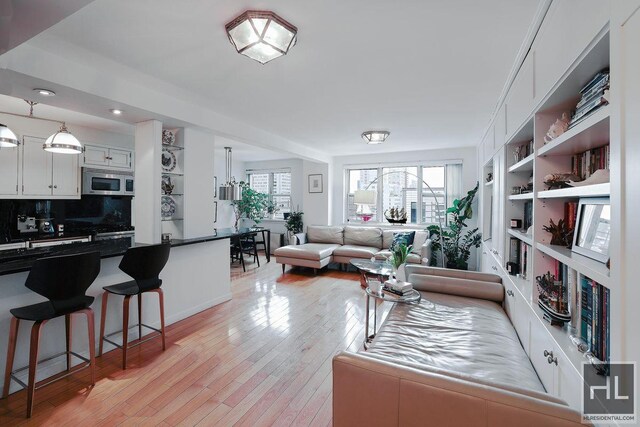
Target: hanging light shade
x,y
375,136
8,139
63,142
261,35
230,190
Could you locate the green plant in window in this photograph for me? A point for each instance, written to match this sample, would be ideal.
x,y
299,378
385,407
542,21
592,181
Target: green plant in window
x,y
253,205
457,239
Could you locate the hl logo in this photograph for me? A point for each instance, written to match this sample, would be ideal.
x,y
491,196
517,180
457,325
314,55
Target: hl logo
x,y
609,398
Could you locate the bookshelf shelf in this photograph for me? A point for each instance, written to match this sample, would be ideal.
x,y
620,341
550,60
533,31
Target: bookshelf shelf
x,y
583,265
525,196
592,132
524,165
596,190
520,235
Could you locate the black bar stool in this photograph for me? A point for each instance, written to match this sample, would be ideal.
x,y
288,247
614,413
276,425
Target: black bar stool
x,y
63,280
144,264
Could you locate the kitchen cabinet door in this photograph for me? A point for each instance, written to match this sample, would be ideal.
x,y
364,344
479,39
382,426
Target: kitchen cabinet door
x,y
65,175
36,168
120,159
9,171
96,156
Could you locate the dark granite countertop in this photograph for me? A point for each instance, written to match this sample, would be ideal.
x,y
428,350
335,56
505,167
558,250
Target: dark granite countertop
x,y
19,260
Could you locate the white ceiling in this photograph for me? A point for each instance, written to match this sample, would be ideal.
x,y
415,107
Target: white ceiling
x,y
428,71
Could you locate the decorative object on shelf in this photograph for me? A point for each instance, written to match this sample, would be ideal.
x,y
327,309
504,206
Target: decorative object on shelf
x,y
560,180
253,205
230,190
558,128
315,183
168,207
561,235
375,136
601,176
166,185
593,95
454,242
293,224
169,160
523,151
396,215
552,300
261,35
489,177
168,137
515,223
593,228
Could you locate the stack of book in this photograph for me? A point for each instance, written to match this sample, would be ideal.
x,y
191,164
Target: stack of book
x,y
518,258
527,215
584,164
523,151
593,96
397,287
594,318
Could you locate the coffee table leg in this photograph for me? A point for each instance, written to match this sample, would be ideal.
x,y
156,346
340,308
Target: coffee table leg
x,y
366,324
363,279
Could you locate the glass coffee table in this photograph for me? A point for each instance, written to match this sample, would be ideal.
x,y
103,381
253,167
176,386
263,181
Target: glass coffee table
x,y
412,297
380,270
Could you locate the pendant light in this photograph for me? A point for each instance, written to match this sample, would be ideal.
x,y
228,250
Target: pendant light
x,y
231,190
8,139
63,142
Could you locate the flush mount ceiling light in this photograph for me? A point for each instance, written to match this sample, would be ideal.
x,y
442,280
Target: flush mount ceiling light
x,y
116,111
45,92
375,136
261,35
63,142
8,139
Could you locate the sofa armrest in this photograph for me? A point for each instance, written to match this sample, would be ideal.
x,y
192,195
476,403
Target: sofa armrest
x,y
425,252
299,239
370,391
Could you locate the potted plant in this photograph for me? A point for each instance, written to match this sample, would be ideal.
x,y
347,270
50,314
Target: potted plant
x,y
456,239
253,205
293,223
398,259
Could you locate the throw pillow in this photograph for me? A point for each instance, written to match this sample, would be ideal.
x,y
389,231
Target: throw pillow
x,y
405,237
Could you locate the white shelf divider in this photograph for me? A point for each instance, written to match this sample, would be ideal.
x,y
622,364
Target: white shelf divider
x,y
582,264
525,196
595,190
521,236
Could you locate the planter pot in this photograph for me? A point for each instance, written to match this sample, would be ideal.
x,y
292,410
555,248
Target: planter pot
x,y
456,266
400,273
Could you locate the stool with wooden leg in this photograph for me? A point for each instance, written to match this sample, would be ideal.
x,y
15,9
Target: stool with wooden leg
x,y
144,264
63,280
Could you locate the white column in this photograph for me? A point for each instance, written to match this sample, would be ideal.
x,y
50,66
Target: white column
x,y
198,183
147,181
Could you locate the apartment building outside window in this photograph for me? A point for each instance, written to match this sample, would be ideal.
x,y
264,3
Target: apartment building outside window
x,y
277,185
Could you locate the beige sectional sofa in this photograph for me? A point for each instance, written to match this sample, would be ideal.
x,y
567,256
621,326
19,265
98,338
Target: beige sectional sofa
x,y
321,245
453,359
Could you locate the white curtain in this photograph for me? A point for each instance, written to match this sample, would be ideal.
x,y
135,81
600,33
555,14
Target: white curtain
x,y
453,183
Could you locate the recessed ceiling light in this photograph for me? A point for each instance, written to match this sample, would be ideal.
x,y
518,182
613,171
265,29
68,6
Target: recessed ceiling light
x,y
45,92
116,111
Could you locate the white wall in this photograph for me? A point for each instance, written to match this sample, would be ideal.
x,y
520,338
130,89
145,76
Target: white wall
x,y
340,163
316,205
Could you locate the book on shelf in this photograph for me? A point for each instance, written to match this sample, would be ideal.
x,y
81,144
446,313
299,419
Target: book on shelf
x,y
527,215
586,163
518,258
592,96
595,317
523,151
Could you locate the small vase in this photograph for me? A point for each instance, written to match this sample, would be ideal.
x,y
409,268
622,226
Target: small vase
x,y
401,274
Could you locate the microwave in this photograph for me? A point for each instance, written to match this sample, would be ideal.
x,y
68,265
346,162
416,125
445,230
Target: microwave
x,y
107,183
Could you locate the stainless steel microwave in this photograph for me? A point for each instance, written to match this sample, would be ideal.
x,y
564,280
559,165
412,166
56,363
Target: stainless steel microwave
x,y
106,182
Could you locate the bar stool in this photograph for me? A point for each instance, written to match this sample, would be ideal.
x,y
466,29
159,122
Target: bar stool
x,y
144,264
63,280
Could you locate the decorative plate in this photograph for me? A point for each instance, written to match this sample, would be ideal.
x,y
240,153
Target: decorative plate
x,y
168,160
168,137
168,207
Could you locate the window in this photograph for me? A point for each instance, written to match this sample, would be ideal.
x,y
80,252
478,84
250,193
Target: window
x,y
398,187
277,184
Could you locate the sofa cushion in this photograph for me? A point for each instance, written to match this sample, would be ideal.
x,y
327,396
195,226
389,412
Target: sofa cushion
x,y
419,239
411,258
353,251
403,237
363,236
312,251
468,336
325,234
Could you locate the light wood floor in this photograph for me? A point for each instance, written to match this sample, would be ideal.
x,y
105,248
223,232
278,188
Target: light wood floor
x,y
263,358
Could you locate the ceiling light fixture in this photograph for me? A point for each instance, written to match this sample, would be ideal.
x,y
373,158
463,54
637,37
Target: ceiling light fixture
x,y
261,35
63,142
375,136
116,111
44,92
8,139
230,190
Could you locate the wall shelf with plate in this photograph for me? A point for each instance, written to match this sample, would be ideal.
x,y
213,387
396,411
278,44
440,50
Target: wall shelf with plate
x,y
172,183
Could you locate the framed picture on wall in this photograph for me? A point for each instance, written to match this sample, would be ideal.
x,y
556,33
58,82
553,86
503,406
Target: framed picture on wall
x,y
315,183
215,212
215,187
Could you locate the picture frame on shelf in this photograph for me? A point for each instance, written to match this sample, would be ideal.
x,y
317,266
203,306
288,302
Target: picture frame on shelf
x,y
593,228
315,183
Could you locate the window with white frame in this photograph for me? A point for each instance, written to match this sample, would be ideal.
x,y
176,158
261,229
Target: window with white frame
x,y
402,187
276,184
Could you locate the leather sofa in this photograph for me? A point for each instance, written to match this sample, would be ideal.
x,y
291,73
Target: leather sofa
x,y
453,359
321,245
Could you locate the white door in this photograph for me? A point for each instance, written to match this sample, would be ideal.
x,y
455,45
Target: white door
x,y
120,158
65,175
542,347
96,156
36,168
9,171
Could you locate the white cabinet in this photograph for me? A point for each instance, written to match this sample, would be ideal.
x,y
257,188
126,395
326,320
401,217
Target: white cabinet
x,y
500,128
45,174
520,99
106,157
543,348
517,309
497,201
9,171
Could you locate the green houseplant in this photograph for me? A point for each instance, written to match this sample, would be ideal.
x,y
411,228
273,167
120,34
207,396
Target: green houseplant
x,y
457,239
253,205
293,223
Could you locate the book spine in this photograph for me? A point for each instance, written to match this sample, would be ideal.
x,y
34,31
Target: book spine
x,y
584,309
